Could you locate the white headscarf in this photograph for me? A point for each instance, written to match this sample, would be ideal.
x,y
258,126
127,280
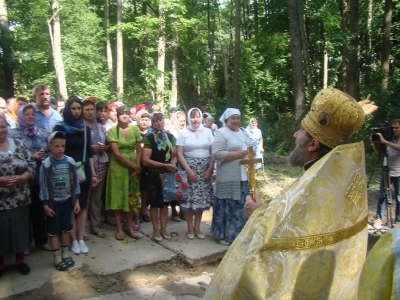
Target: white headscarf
x,y
190,126
228,113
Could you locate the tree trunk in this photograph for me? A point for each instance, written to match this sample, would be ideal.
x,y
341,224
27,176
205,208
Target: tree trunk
x,y
256,19
385,63
368,58
225,62
344,12
236,57
161,57
295,50
326,67
120,53
304,46
55,36
352,67
6,56
108,46
174,75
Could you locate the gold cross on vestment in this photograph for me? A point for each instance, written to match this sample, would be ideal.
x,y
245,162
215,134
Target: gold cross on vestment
x,y
250,161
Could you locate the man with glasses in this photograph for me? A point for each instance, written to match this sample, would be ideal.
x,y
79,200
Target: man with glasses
x,y
393,151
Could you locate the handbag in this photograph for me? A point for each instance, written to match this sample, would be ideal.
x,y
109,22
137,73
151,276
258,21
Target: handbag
x,y
80,165
174,186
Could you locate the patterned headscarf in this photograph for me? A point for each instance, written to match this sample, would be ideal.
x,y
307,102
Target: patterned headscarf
x,y
27,129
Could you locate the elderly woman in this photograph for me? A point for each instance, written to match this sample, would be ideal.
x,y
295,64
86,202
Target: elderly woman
x,y
229,146
177,123
194,155
36,140
122,186
17,168
100,160
158,157
78,147
256,137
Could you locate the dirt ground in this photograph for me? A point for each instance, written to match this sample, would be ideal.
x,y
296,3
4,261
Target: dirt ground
x,y
82,283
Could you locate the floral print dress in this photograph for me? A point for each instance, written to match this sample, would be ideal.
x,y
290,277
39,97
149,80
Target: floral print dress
x,y
122,189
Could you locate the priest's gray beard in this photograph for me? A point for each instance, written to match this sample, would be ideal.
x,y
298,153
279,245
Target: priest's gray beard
x,y
297,156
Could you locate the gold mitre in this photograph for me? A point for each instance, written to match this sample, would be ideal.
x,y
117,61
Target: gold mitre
x,y
333,117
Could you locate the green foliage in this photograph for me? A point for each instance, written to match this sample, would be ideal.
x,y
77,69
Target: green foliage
x,y
200,30
279,136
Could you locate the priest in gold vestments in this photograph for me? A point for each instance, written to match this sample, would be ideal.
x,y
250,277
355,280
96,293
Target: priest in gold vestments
x,y
310,242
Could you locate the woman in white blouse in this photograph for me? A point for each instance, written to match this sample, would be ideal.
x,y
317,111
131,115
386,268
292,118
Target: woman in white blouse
x,y
194,155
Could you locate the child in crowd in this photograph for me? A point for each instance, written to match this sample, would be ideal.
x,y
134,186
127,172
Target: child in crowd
x,y
59,192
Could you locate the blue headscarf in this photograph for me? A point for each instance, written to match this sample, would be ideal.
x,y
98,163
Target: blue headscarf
x,y
71,125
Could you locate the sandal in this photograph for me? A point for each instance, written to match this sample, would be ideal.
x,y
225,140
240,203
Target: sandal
x,y
136,226
119,236
62,266
86,236
145,217
134,234
98,232
69,262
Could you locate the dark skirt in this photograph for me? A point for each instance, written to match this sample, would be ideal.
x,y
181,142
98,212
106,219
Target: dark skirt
x,y
154,191
14,230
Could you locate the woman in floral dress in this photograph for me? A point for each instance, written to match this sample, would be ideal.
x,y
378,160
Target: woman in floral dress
x,y
122,187
36,140
17,169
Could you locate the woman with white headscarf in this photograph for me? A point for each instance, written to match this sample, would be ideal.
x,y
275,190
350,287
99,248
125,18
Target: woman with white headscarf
x,y
194,155
229,147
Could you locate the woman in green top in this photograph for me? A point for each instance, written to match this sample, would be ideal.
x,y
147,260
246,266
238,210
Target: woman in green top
x,y
159,157
122,188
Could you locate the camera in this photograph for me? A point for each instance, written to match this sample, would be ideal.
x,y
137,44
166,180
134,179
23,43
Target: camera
x,y
384,129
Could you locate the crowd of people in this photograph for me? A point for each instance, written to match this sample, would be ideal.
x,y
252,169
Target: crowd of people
x,y
106,162
67,167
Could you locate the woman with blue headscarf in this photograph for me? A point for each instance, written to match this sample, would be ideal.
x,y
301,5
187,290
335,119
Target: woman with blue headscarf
x,y
35,139
75,130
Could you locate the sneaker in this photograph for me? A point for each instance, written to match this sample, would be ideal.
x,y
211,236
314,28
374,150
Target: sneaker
x,y
75,247
45,247
83,247
378,224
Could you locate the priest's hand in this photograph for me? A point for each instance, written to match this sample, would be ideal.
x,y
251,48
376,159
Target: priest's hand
x,y
251,206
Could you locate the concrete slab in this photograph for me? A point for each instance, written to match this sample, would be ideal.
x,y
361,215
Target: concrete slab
x,y
106,256
195,252
188,289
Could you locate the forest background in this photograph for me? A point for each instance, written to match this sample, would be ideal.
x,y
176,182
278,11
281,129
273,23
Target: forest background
x,y
267,57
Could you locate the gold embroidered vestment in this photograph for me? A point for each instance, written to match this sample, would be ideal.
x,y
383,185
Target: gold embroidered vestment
x,y
310,242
